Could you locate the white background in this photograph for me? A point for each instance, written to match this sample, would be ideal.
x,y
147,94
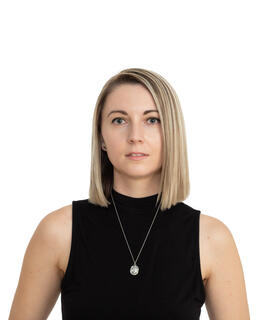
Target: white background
x,y
55,57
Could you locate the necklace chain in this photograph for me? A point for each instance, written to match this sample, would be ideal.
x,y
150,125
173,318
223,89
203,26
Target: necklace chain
x,y
134,269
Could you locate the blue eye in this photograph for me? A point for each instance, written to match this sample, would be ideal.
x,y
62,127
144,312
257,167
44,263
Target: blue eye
x,y
155,119
115,119
158,120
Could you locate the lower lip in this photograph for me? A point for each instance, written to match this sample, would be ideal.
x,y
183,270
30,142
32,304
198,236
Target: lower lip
x,y
137,157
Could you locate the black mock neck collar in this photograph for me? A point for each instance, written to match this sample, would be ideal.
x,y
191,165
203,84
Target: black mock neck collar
x,y
128,202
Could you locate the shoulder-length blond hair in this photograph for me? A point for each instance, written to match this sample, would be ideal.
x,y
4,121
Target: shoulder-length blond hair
x,y
174,183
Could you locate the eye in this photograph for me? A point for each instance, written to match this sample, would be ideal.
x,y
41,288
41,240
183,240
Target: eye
x,y
115,119
158,120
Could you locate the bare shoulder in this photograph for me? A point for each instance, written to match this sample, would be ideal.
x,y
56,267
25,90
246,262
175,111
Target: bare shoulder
x,y
59,217
212,227
63,225
226,295
214,231
61,221
40,268
57,229
213,235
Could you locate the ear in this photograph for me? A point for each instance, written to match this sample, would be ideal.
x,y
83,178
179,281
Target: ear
x,y
103,146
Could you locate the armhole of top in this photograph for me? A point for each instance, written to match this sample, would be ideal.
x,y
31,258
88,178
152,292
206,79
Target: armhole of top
x,y
72,247
198,256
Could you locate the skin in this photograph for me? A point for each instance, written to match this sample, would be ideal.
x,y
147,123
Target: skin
x,y
129,133
47,254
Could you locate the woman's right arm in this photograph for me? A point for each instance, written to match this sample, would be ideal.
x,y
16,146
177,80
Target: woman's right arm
x,y
39,284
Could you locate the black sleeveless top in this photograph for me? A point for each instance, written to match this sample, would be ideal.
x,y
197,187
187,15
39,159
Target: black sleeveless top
x,y
98,284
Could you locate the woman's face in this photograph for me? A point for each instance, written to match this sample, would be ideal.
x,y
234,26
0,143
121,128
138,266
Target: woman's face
x,y
132,131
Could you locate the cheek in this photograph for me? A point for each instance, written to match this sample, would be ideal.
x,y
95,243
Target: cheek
x,y
114,140
116,153
156,144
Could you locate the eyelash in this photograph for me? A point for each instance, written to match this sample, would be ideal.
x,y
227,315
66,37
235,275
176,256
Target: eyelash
x,y
147,119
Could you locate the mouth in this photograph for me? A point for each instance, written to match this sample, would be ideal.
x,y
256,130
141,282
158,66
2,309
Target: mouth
x,y
137,157
136,154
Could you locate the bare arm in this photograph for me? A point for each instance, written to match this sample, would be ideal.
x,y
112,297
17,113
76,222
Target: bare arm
x,y
226,297
39,283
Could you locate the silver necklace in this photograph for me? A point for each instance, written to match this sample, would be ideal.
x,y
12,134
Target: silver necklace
x,y
134,270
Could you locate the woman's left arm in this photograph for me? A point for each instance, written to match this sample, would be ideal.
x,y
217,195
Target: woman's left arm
x,y
226,297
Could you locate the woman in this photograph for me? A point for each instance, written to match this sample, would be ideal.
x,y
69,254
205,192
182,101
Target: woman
x,y
133,249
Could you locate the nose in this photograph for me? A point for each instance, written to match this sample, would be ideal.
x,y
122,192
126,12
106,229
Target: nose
x,y
131,140
135,134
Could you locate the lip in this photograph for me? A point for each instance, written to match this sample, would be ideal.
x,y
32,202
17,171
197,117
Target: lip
x,y
136,152
137,157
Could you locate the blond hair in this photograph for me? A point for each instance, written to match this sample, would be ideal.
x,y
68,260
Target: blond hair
x,y
174,182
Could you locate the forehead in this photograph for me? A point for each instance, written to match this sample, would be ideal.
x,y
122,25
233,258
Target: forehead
x,y
131,98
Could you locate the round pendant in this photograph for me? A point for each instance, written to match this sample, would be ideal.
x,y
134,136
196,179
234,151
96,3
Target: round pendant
x,y
134,270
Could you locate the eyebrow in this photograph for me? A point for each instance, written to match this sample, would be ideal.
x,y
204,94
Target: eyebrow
x,y
125,113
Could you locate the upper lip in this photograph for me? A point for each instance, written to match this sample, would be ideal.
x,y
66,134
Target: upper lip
x,y
137,152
